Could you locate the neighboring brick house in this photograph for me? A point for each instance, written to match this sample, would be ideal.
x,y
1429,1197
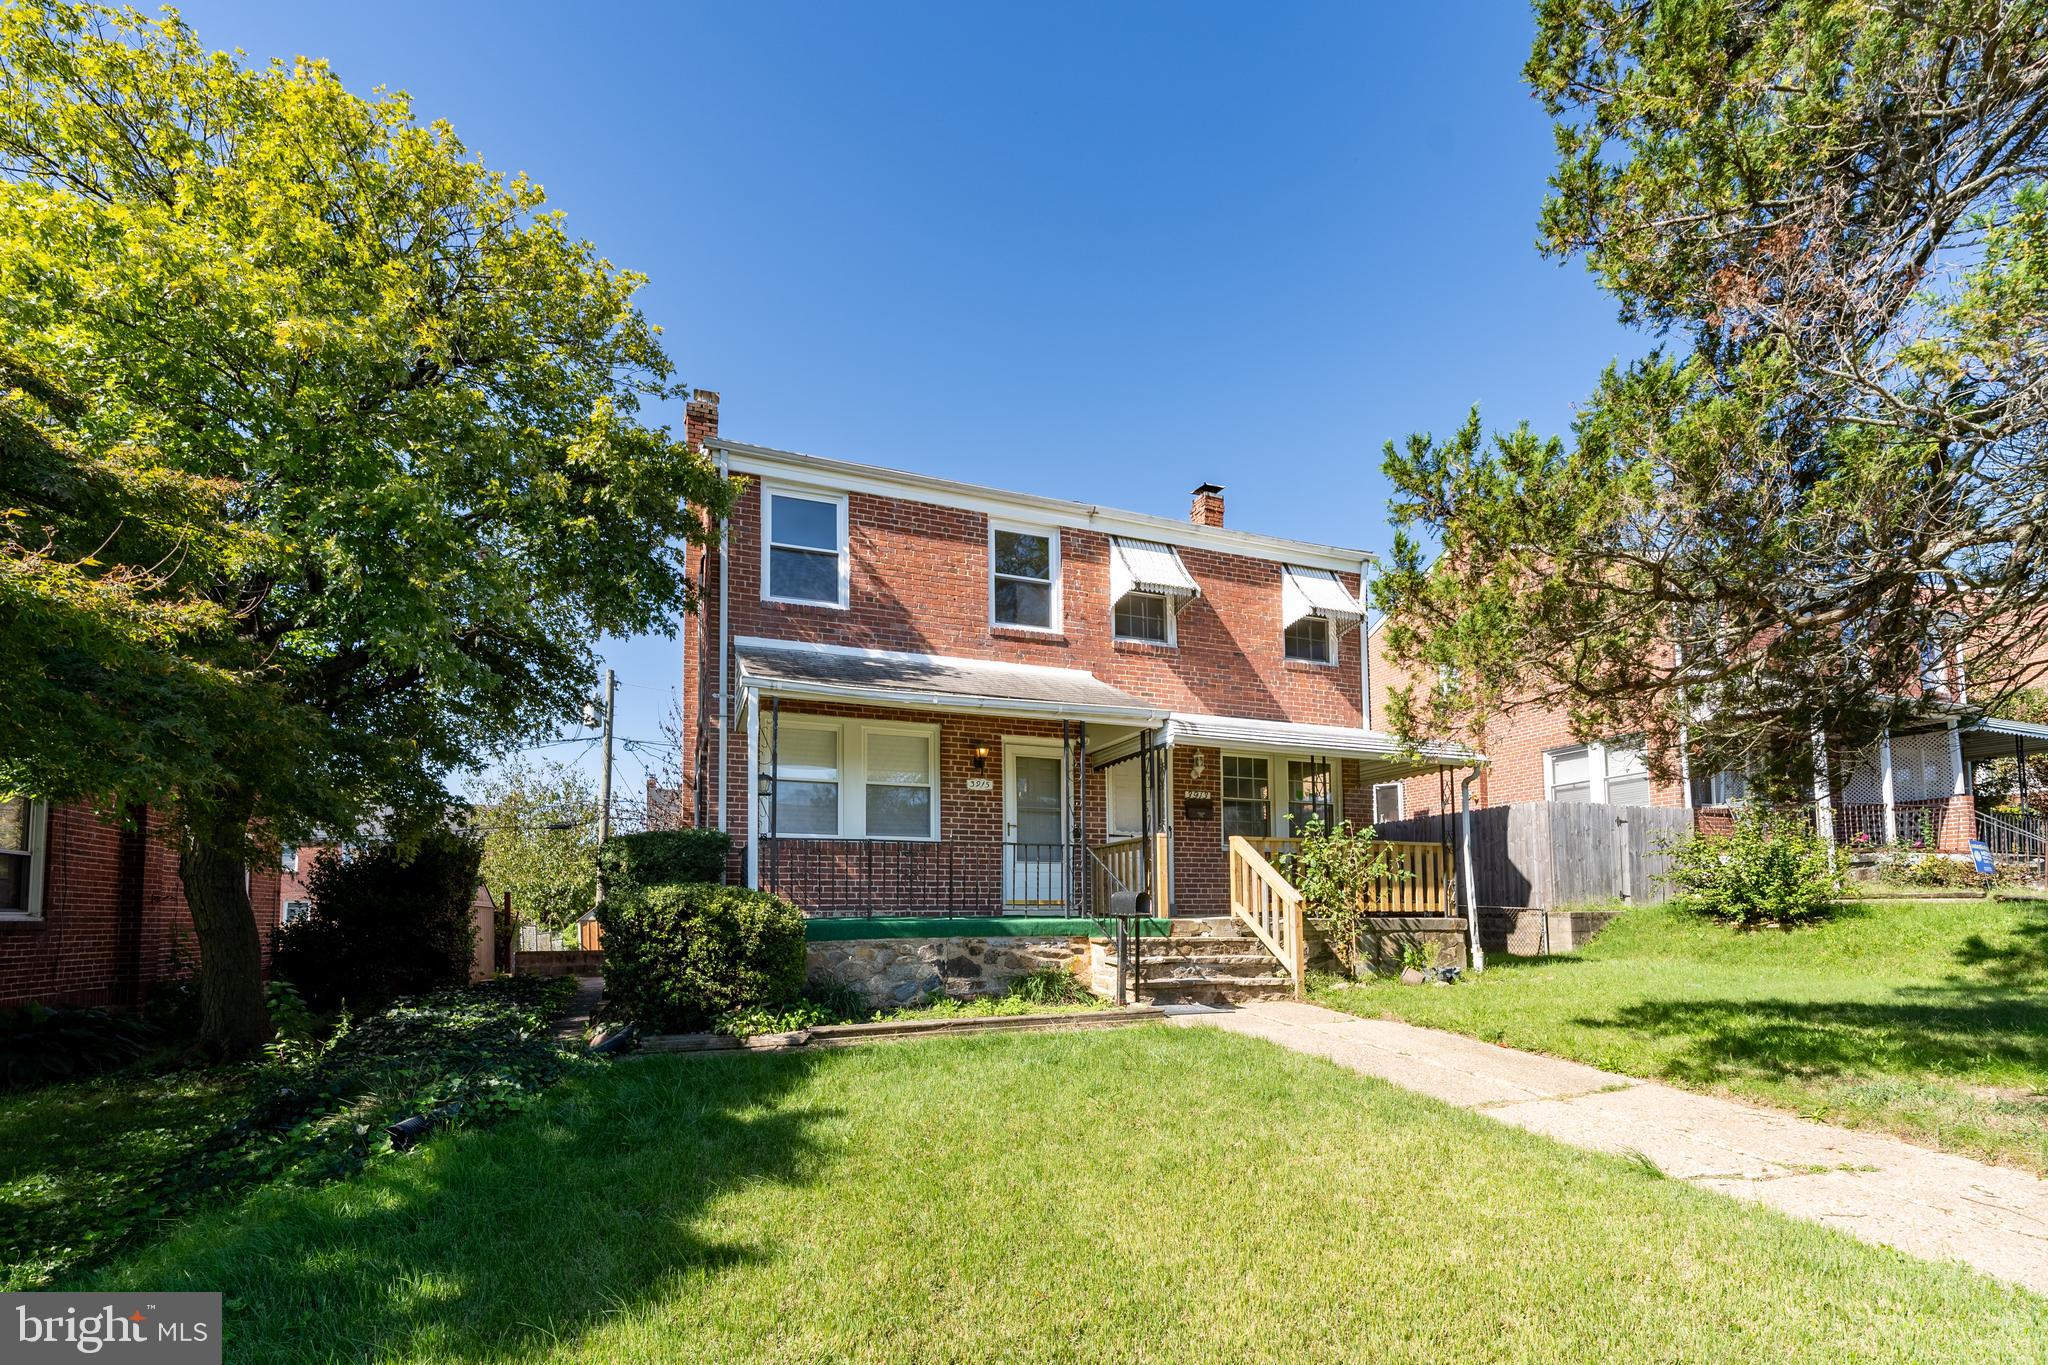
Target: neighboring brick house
x,y
1913,786
906,693
92,914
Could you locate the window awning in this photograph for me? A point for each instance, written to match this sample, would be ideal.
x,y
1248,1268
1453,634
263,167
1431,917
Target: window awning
x,y
1316,592
1148,566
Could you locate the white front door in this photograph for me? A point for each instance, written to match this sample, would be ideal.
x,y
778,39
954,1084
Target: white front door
x,y
1034,825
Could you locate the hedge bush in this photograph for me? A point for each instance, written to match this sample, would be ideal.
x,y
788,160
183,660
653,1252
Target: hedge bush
x,y
677,956
384,925
39,1044
1768,869
665,855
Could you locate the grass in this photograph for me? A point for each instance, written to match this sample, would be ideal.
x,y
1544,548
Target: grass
x,y
1145,1193
1928,1019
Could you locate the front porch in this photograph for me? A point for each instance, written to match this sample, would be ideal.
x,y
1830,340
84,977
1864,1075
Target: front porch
x,y
883,788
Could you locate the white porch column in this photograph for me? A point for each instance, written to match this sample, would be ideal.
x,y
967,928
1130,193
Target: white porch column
x,y
1962,783
1884,768
1823,808
753,796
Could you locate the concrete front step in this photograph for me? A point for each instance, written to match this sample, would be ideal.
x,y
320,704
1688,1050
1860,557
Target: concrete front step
x,y
1236,966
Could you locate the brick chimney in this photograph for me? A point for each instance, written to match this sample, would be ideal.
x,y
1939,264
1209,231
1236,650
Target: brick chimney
x,y
1208,508
700,418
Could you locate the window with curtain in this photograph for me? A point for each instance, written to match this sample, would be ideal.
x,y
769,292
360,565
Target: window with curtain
x,y
1570,774
1628,775
899,784
1247,797
1122,804
803,768
1386,801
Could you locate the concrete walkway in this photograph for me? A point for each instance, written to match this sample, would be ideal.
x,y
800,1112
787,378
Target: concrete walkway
x,y
1874,1187
575,1019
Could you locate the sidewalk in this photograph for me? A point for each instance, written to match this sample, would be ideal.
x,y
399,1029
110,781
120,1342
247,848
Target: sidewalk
x,y
1868,1185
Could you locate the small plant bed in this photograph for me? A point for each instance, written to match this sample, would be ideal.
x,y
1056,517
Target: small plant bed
x,y
89,1167
1048,991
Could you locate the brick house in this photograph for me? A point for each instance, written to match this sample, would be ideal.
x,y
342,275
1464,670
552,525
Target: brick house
x,y
93,914
906,694
1915,785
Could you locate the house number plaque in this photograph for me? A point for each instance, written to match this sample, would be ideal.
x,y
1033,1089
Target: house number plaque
x,y
981,784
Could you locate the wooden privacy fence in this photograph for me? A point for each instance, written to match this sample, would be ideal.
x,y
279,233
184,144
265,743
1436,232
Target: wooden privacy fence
x,y
1547,855
1421,886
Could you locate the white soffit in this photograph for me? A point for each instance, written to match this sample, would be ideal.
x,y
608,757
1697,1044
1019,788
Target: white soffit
x,y
1317,592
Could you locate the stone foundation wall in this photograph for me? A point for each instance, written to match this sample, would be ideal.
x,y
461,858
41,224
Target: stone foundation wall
x,y
1384,936
886,972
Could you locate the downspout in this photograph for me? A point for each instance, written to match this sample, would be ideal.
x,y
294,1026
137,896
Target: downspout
x,y
724,646
1471,881
1364,652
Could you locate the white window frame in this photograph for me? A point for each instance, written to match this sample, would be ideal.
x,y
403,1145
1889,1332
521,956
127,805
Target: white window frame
x,y
1329,659
1277,789
288,859
771,491
1400,800
1172,640
1110,809
853,775
933,785
1596,768
285,913
771,743
1051,534
38,850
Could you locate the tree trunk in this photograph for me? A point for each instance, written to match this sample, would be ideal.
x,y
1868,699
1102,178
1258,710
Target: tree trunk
x,y
233,1020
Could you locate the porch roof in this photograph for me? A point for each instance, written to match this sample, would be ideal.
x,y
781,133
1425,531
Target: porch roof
x,y
1384,755
1996,737
779,668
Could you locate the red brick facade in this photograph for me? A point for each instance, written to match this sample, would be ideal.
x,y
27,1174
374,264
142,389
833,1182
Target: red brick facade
x,y
114,922
918,583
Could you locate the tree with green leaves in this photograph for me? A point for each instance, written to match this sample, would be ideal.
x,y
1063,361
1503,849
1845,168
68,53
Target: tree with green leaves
x,y
1834,472
337,455
538,823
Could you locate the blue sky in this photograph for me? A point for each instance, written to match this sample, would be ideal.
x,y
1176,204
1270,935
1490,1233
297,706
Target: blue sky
x,y
1095,252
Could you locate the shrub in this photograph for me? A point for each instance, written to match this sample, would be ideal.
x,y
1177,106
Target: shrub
x,y
680,955
39,1045
665,855
383,925
1767,869
1049,986
1337,870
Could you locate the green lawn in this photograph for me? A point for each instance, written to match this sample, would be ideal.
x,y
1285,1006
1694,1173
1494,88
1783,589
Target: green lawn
x,y
1926,1019
1145,1193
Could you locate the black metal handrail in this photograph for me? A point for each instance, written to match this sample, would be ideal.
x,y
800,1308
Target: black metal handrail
x,y
842,878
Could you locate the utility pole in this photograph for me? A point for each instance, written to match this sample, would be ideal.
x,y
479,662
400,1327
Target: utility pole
x,y
604,782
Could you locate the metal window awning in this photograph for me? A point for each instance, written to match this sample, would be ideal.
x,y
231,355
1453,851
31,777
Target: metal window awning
x,y
1148,566
1317,592
1990,737
1383,756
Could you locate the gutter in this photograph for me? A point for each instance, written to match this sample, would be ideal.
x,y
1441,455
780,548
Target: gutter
x,y
950,701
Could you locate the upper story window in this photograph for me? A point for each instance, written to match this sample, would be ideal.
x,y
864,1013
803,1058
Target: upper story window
x,y
1024,577
1143,616
1148,587
23,826
1315,609
803,548
1308,641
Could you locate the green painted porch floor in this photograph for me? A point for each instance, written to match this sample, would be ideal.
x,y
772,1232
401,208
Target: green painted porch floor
x,y
838,929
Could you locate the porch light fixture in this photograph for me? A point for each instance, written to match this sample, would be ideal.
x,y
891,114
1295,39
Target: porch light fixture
x,y
981,758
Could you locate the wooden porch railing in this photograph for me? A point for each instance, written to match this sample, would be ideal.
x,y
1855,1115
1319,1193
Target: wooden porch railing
x,y
1125,860
1267,904
1425,890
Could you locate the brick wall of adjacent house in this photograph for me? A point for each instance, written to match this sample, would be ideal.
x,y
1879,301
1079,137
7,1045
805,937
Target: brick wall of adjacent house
x,y
1513,742
114,922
